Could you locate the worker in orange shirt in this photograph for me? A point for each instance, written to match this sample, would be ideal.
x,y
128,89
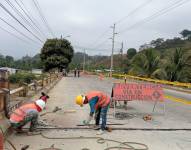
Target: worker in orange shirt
x,y
27,113
99,104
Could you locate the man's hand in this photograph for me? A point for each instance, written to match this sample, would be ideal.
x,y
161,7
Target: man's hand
x,y
87,122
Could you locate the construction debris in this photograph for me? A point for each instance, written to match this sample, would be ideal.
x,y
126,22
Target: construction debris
x,y
25,147
124,115
147,117
56,109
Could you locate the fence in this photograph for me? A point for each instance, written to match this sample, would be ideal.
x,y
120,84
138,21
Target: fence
x,y
164,82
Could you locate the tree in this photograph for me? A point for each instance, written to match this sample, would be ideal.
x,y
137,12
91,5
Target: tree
x,y
157,43
9,60
131,52
145,63
56,53
178,66
186,34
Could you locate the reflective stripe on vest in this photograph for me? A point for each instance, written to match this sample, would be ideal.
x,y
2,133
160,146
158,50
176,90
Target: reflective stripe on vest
x,y
20,113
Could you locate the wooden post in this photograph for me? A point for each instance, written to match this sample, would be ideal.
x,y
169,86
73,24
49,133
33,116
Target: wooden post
x,y
25,91
42,82
4,91
50,78
1,140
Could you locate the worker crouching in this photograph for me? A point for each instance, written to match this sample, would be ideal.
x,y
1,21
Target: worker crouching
x,y
99,104
25,114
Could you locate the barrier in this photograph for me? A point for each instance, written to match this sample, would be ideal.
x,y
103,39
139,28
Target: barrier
x,y
138,92
177,84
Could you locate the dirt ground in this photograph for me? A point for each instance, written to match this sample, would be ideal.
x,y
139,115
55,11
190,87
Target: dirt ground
x,y
70,116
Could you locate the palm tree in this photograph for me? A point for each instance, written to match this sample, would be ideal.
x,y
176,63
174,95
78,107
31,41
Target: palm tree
x,y
145,63
178,66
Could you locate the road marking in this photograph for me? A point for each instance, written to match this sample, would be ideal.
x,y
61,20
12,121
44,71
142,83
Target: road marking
x,y
179,100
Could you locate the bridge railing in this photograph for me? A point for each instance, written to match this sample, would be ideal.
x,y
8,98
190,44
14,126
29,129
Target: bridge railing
x,y
7,96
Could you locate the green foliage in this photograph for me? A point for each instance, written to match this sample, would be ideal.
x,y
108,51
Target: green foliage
x,y
186,34
131,52
145,63
178,66
25,63
22,78
157,43
56,53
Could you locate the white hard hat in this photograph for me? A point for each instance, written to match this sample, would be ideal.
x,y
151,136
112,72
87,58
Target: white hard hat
x,y
40,103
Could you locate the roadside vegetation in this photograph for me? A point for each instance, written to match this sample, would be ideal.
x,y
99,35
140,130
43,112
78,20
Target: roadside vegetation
x,y
22,78
168,59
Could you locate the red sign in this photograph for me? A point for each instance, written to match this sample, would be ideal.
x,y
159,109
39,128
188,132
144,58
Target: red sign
x,y
137,91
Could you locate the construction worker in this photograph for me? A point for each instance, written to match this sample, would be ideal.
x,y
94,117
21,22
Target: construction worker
x,y
99,104
25,114
44,97
75,72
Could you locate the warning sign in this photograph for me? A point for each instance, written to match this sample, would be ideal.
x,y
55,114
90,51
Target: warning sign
x,y
135,91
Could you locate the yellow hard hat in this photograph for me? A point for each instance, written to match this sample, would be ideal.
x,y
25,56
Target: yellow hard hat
x,y
80,100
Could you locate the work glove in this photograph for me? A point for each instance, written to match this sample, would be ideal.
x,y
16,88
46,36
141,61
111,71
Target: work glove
x,y
87,122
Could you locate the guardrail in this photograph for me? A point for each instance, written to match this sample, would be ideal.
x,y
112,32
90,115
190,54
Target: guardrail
x,y
23,90
177,84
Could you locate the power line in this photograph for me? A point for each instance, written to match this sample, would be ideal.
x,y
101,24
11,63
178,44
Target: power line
x,y
89,49
12,34
43,17
134,11
22,16
18,31
2,6
102,43
30,18
120,20
99,37
157,14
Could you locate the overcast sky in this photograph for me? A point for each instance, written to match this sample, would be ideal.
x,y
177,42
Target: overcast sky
x,y
86,20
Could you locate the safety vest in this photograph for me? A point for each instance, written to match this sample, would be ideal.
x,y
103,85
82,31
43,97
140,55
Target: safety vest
x,y
103,100
20,113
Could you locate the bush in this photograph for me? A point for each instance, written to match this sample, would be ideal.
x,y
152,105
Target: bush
x,y
22,78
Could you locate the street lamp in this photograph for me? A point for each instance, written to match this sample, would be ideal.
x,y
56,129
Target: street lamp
x,y
65,36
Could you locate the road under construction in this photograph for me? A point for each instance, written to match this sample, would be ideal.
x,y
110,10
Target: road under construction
x,y
62,121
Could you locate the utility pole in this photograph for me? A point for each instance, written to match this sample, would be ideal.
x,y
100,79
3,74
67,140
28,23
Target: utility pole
x,y
84,63
121,50
113,46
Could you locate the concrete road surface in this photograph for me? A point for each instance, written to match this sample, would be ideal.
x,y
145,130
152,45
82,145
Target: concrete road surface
x,y
169,115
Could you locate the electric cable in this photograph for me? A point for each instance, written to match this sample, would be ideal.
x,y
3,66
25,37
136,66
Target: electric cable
x,y
6,10
36,4
134,11
19,31
21,16
155,15
29,16
14,35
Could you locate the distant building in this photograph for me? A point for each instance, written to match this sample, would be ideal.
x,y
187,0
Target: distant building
x,y
10,70
37,71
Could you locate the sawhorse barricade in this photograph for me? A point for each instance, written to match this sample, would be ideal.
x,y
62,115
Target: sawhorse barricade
x,y
139,92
